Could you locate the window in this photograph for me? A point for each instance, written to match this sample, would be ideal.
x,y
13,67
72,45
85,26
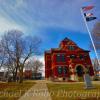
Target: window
x,y
81,57
58,58
65,70
72,56
61,58
59,69
71,48
62,69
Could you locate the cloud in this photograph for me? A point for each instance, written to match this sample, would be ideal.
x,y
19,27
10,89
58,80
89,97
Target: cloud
x,y
36,14
41,14
6,25
19,3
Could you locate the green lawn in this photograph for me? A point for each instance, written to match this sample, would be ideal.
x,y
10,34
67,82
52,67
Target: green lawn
x,y
73,91
12,91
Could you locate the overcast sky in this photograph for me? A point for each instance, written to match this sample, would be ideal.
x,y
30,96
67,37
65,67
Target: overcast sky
x,y
52,20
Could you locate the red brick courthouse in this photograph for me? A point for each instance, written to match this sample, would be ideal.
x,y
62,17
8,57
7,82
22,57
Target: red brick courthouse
x,y
68,62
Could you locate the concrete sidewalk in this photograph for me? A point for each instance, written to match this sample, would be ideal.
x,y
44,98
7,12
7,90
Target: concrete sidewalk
x,y
38,92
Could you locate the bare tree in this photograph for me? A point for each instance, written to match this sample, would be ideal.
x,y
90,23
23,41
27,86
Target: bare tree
x,y
2,54
96,37
36,66
95,64
18,50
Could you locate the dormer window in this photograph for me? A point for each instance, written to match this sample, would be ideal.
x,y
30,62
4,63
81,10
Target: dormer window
x,y
71,47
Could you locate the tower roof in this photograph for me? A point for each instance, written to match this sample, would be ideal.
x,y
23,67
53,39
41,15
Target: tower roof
x,y
67,41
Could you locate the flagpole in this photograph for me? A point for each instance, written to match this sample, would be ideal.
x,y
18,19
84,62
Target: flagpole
x,y
90,37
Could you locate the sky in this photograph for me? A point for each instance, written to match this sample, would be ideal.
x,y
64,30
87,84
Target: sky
x,y
51,20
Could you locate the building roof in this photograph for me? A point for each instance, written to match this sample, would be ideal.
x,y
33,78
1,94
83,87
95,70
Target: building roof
x,y
67,40
63,43
48,51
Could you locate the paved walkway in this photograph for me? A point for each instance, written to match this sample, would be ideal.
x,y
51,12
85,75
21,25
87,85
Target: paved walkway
x,y
38,92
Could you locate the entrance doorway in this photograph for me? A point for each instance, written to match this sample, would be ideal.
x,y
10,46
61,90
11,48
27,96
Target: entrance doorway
x,y
79,71
64,78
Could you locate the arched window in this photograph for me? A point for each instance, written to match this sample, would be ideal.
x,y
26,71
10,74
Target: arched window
x,y
65,70
60,70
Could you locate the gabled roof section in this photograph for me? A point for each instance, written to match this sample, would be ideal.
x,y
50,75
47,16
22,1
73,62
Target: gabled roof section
x,y
65,45
66,41
80,49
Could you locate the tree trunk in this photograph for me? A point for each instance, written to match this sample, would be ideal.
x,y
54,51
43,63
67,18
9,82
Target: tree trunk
x,y
21,79
15,75
21,74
